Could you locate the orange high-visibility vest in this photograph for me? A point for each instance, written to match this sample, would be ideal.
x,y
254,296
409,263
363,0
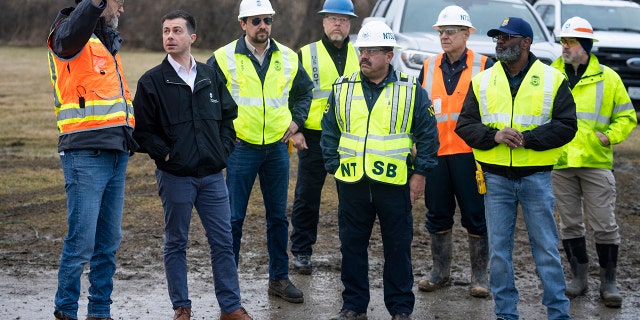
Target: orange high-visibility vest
x,y
89,90
447,107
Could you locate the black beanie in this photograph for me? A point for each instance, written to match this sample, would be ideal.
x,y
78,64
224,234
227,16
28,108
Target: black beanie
x,y
586,44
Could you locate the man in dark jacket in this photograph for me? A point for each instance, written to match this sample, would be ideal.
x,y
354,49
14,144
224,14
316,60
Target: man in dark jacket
x,y
516,116
95,123
185,123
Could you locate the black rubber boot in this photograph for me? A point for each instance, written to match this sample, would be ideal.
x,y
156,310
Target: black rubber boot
x,y
479,256
576,250
441,245
608,256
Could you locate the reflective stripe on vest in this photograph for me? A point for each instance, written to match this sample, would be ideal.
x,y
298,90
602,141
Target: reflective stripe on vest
x,y
315,55
90,92
531,108
263,110
377,143
447,107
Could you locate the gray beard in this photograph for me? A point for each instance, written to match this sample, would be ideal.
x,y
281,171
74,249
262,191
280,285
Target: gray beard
x,y
509,55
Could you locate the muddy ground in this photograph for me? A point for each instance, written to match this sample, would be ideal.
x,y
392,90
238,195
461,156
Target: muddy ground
x,y
33,228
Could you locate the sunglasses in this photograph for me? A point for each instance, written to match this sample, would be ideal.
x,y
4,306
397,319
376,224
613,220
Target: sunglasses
x,y
506,37
571,42
267,21
450,31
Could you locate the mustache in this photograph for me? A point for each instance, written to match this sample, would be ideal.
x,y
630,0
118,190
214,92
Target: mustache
x,y
365,62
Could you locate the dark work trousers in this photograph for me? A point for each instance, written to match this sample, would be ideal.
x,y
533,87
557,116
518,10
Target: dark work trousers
x,y
306,203
359,205
454,178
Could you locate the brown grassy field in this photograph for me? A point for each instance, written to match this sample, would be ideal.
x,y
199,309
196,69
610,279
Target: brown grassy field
x,y
33,208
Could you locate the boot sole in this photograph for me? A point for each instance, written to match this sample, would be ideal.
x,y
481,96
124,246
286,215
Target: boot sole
x,y
305,271
285,298
430,286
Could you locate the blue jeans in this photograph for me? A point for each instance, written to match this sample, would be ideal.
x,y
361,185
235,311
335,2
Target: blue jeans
x,y
209,196
271,164
359,205
534,194
94,183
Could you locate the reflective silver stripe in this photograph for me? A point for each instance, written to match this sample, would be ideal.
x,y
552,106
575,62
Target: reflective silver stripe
x,y
407,101
109,107
387,138
347,111
400,154
54,79
454,116
336,97
287,74
230,51
547,103
429,75
484,84
348,135
321,94
496,117
623,107
477,64
349,155
315,69
249,101
442,117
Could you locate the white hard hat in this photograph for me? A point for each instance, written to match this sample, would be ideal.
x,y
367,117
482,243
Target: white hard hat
x,y
250,8
577,27
376,34
454,16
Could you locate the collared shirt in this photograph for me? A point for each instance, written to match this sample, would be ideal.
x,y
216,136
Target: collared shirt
x,y
254,51
188,76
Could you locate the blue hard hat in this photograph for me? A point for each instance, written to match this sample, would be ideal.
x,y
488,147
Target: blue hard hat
x,y
339,7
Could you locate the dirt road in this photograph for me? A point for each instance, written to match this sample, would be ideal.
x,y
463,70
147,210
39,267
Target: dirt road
x,y
31,235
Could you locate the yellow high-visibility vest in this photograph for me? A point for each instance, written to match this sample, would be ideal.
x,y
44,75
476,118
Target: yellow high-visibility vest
x,y
263,110
315,55
377,143
532,107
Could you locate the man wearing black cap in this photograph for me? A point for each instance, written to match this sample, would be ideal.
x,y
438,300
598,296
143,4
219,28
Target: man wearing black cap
x,y
517,115
583,178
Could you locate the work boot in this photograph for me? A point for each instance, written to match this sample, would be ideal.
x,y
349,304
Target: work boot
x,y
61,316
285,290
479,256
239,314
346,314
608,256
441,244
182,313
576,250
302,263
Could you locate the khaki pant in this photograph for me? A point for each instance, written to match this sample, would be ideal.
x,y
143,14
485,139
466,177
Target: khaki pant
x,y
588,190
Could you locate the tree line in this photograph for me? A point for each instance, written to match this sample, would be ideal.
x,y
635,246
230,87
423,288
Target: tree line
x,y
296,22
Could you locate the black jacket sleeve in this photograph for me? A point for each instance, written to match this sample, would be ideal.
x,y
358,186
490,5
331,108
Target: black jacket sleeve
x,y
69,34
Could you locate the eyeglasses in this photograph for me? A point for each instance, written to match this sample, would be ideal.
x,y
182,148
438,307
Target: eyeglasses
x,y
571,42
334,19
256,21
506,37
120,3
450,31
370,51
